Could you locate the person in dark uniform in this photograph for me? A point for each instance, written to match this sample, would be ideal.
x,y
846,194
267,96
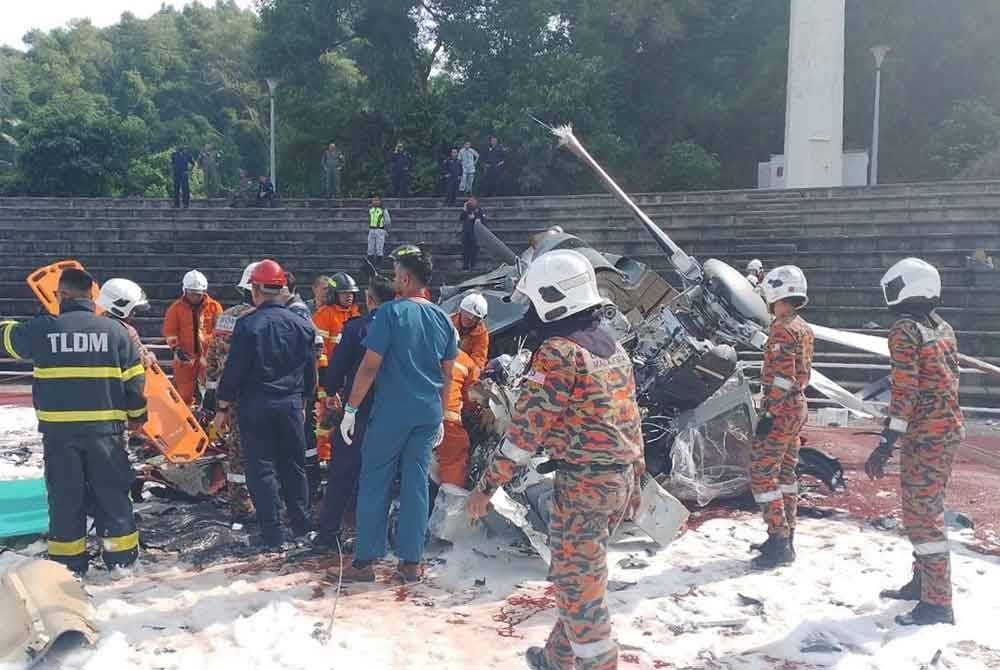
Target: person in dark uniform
x,y
400,163
181,162
345,464
470,215
271,372
451,169
88,387
496,157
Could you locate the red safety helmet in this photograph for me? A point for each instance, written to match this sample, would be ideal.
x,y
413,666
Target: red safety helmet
x,y
269,273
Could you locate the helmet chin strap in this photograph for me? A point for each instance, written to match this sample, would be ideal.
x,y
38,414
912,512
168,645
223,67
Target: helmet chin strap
x,y
916,308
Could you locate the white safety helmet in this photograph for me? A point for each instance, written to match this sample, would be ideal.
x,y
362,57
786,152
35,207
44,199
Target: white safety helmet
x,y
786,281
474,305
245,282
556,230
909,279
753,279
559,284
195,281
755,266
120,297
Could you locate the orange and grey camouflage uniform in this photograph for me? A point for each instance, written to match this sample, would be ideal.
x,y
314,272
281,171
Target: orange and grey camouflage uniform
x,y
925,409
218,350
582,410
785,374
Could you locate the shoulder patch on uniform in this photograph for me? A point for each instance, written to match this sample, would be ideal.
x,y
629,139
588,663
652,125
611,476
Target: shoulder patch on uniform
x,y
536,376
225,323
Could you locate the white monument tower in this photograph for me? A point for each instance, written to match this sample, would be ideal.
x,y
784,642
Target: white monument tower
x,y
814,115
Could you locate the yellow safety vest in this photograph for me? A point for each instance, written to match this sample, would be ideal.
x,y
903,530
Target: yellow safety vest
x,y
376,218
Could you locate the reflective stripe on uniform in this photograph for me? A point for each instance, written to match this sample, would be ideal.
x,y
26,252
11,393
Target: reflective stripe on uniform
x,y
212,385
515,453
464,370
311,452
322,432
930,548
8,328
70,548
898,425
121,542
136,413
592,649
69,416
336,338
790,488
767,496
782,383
236,478
321,394
453,416
80,373
133,372
323,333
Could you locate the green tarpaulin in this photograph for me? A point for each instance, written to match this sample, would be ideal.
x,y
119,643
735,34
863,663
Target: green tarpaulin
x,y
24,508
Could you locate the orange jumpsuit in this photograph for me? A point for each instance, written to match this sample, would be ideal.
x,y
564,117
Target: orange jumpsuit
x,y
452,455
329,320
474,341
189,328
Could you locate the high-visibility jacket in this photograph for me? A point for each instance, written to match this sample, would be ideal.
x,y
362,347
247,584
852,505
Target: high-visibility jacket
x,y
88,376
474,341
330,320
378,217
189,327
464,374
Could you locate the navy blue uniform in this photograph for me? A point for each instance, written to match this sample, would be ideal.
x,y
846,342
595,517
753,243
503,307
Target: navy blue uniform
x,y
470,245
181,162
88,382
452,170
495,158
400,173
271,374
345,465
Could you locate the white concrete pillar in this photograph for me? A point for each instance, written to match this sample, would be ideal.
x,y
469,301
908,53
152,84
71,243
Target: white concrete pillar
x,y
814,112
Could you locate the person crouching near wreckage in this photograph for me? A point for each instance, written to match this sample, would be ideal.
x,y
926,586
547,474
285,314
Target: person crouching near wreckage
x,y
784,376
578,403
926,421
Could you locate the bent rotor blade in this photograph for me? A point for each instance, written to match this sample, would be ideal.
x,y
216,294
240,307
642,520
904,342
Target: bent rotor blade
x,y
685,265
880,346
494,244
838,393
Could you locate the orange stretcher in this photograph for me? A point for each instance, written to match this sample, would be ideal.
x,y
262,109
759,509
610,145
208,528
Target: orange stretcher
x,y
170,424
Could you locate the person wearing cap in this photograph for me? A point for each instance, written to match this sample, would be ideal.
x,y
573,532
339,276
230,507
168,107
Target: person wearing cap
x,y
270,374
187,327
470,324
240,504
411,349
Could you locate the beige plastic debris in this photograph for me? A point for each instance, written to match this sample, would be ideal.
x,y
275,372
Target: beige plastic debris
x,y
40,601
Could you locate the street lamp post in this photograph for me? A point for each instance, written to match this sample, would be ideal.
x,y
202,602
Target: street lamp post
x,y
879,52
272,85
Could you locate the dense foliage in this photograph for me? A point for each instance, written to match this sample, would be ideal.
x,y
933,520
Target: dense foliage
x,y
671,94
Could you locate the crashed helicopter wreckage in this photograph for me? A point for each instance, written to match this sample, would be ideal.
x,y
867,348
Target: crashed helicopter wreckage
x,y
699,414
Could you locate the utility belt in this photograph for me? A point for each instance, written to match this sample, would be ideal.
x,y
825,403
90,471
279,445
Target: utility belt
x,y
563,466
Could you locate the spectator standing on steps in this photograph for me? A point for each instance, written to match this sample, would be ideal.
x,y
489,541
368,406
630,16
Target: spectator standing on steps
x,y
471,214
379,223
496,157
332,164
468,157
400,163
265,192
452,171
209,162
181,162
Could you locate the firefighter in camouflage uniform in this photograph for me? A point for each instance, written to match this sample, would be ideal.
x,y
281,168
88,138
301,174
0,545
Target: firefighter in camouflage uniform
x,y
925,421
785,375
236,480
578,403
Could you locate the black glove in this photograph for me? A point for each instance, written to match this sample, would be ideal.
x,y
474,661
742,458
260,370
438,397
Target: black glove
x,y
181,355
208,401
875,465
764,425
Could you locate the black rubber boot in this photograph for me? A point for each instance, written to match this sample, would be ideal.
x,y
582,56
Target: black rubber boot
x,y
778,554
765,546
536,658
926,614
909,591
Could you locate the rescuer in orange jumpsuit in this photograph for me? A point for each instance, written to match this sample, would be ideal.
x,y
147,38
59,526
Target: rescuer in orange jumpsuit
x,y
188,327
470,322
451,458
340,307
